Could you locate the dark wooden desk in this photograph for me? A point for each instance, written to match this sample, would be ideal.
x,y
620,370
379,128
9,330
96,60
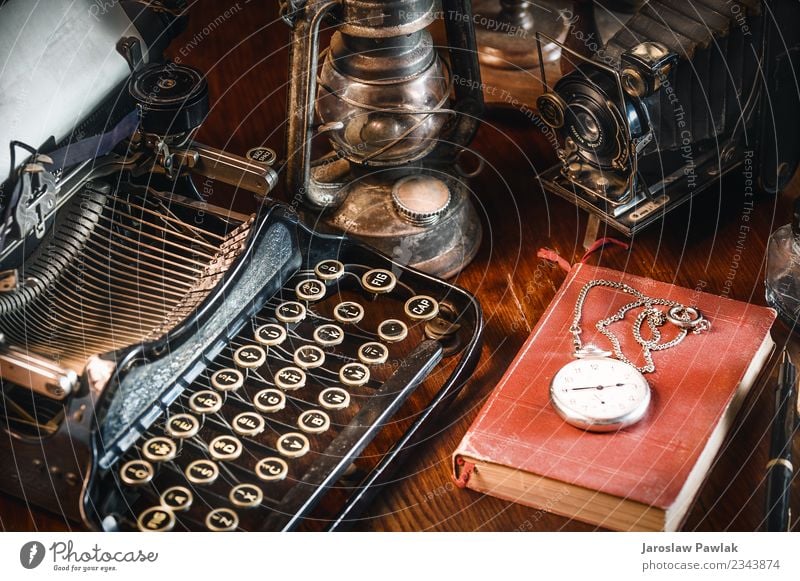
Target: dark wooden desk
x,y
242,46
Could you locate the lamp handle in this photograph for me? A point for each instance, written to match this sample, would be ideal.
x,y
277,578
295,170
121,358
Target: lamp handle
x,y
464,66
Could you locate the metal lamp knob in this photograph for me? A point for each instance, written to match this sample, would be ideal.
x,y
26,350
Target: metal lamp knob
x,y
420,200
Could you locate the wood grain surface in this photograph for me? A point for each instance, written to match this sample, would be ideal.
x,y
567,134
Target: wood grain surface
x,y
717,242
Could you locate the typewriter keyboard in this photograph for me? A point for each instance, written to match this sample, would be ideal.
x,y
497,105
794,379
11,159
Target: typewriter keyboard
x,y
286,410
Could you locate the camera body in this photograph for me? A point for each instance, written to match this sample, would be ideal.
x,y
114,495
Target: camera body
x,y
681,94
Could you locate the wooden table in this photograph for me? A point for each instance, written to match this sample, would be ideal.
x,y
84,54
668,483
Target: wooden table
x,y
243,47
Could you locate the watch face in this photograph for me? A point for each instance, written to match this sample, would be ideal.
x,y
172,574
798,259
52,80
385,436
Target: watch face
x,y
600,394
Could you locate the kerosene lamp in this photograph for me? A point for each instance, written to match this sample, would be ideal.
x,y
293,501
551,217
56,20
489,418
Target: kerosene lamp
x,y
398,118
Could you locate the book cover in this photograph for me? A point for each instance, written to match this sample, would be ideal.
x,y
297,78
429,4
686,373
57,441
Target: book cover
x,y
643,477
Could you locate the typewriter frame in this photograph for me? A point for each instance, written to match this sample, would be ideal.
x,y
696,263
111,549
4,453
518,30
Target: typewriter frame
x,y
72,453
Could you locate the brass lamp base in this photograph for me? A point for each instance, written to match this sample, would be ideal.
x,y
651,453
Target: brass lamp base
x,y
423,219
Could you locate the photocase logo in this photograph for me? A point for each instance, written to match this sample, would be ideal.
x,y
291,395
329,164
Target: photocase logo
x,y
31,554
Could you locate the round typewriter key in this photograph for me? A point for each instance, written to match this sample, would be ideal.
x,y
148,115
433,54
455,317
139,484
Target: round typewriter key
x,y
273,468
248,424
136,472
354,374
314,421
373,353
222,520
202,472
156,519
290,378
309,356
329,269
290,312
177,498
182,426
310,290
348,312
246,495
328,335
378,280
392,330
205,402
422,307
250,356
225,448
227,379
269,400
159,449
270,334
334,398
293,445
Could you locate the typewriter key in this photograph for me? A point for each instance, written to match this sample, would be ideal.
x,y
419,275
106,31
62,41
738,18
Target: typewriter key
x,y
222,520
250,356
354,374
334,398
156,519
392,330
378,280
328,335
246,495
290,312
309,356
248,424
227,379
225,448
348,312
270,334
159,449
182,426
273,468
290,378
422,308
373,353
177,498
205,402
136,472
329,269
310,290
292,445
202,472
269,400
313,421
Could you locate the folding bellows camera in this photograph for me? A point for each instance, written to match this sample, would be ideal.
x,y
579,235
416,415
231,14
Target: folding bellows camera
x,y
679,95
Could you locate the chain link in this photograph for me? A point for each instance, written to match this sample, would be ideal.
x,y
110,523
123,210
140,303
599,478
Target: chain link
x,y
651,314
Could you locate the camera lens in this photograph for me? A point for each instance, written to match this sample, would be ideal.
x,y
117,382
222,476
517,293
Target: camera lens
x,y
587,126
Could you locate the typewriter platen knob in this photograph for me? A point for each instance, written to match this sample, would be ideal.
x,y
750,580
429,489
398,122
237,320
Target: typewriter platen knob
x,y
173,99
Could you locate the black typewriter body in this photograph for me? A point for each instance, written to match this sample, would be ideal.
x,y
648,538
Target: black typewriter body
x,y
167,364
263,401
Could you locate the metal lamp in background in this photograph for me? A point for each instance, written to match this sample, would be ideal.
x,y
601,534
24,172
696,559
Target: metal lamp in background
x,y
383,99
506,35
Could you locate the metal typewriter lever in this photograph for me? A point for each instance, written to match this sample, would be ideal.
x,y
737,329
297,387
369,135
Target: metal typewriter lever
x,y
225,167
37,199
38,374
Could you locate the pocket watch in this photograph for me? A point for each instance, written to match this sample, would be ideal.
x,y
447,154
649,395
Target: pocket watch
x,y
600,393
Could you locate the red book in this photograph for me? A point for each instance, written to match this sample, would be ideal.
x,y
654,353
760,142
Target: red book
x,y
645,476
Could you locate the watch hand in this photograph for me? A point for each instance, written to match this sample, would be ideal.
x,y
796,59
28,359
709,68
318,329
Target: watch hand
x,y
597,386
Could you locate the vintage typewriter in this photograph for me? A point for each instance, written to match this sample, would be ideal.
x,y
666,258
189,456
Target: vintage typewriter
x,y
170,365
